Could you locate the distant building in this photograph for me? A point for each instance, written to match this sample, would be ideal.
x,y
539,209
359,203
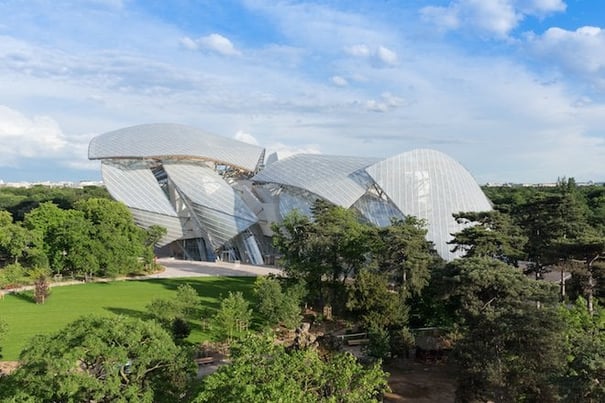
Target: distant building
x,y
216,198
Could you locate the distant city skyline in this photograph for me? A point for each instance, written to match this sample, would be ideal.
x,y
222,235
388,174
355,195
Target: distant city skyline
x,y
512,89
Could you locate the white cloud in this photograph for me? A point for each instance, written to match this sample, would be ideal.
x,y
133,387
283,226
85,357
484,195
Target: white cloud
x,y
21,136
541,8
386,56
215,42
492,17
245,137
381,55
386,102
358,50
340,81
580,52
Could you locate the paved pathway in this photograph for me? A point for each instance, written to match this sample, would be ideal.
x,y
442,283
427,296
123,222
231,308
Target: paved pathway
x,y
188,268
179,268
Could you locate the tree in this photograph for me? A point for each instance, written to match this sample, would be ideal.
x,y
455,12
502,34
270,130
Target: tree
x,y
279,304
371,302
584,377
261,371
510,350
587,247
233,316
41,285
485,286
66,238
326,251
490,234
172,314
404,254
550,217
16,242
117,242
102,359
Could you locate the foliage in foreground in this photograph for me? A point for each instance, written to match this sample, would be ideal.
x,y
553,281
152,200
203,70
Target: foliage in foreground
x,y
116,359
277,303
264,372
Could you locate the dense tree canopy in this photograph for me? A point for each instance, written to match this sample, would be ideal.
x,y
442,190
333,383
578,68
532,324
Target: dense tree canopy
x,y
492,234
262,371
101,359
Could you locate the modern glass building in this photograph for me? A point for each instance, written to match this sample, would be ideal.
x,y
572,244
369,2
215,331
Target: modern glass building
x,y
218,200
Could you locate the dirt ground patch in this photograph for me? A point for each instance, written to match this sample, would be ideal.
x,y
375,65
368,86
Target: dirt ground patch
x,y
412,381
6,367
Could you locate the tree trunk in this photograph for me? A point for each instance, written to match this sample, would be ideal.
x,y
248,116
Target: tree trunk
x,y
589,296
562,285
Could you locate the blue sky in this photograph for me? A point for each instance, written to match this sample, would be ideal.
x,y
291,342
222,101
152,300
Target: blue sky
x,y
513,89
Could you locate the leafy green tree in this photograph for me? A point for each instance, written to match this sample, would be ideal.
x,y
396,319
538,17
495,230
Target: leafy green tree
x,y
481,286
233,317
514,355
550,217
102,359
262,371
404,254
117,242
379,343
584,377
587,247
491,234
326,251
279,304
372,302
66,238
41,284
173,313
13,274
511,350
16,242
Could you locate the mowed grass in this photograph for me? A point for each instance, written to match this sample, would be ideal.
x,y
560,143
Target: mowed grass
x,y
26,319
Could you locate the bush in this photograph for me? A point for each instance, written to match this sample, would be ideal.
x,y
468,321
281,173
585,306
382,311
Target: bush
x,y
233,317
180,329
379,344
278,305
12,275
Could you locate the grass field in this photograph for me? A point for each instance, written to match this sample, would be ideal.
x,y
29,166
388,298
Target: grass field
x,y
65,304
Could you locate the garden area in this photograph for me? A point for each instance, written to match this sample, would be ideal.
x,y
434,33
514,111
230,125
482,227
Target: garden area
x,y
25,319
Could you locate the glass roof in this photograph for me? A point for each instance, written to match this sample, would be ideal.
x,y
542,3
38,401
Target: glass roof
x,y
165,140
432,186
330,177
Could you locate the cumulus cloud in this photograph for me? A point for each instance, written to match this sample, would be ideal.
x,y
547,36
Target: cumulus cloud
x,y
214,42
581,51
541,7
358,50
245,137
495,18
21,136
340,81
386,56
386,102
381,55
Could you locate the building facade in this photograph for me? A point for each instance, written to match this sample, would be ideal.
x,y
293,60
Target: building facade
x,y
217,198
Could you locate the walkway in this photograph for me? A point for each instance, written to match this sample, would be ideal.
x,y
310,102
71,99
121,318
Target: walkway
x,y
177,268
188,268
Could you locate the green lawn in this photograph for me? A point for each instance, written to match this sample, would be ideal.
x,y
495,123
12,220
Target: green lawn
x,y
65,304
